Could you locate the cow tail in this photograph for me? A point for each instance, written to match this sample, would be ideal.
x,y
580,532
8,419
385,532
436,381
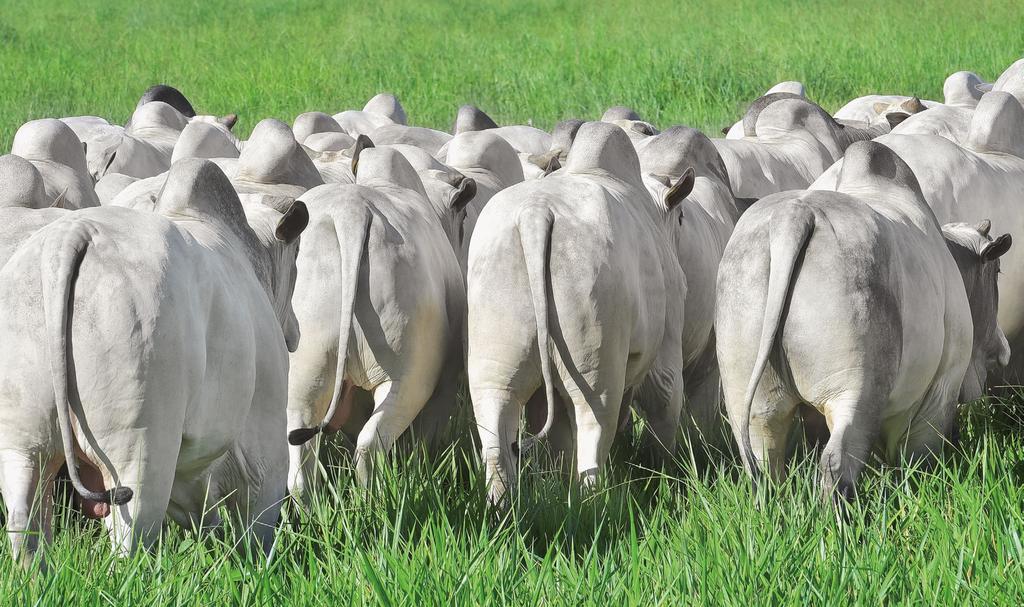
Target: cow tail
x,y
59,272
790,230
352,251
535,224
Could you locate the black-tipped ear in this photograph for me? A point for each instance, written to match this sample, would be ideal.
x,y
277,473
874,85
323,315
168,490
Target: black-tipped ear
x,y
228,121
995,249
726,129
295,220
362,142
682,188
895,118
984,226
463,193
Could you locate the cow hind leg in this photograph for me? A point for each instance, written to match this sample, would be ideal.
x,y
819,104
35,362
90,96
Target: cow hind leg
x,y
29,507
660,397
393,413
597,416
437,413
138,523
854,431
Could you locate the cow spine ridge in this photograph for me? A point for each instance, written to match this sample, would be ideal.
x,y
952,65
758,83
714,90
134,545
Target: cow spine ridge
x,y
58,277
535,224
788,236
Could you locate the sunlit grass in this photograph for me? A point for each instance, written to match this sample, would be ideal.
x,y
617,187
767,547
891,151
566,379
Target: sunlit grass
x,y
947,535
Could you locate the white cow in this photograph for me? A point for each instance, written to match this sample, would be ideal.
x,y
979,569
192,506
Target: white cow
x,y
52,147
381,302
147,144
429,140
953,121
788,142
492,163
706,220
272,163
526,140
792,87
850,302
205,140
313,123
960,90
172,110
271,168
448,190
21,185
170,374
381,110
571,285
982,178
24,204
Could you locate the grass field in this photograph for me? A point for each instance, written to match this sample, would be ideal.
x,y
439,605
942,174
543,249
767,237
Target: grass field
x,y
951,535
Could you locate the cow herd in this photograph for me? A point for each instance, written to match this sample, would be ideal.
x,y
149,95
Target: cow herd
x,y
183,312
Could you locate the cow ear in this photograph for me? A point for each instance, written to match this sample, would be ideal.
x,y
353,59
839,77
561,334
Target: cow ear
x,y
913,105
680,190
542,161
983,226
879,107
228,121
995,249
294,221
726,129
463,193
895,118
362,142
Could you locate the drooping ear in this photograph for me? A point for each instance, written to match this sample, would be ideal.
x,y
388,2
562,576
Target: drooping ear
x,y
463,193
228,121
983,87
895,118
984,226
362,142
880,106
294,221
680,190
995,249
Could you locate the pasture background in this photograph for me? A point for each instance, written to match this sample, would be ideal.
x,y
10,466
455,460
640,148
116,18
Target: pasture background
x,y
949,535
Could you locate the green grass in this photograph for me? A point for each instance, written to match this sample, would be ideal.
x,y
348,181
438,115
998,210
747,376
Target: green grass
x,y
688,62
951,535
